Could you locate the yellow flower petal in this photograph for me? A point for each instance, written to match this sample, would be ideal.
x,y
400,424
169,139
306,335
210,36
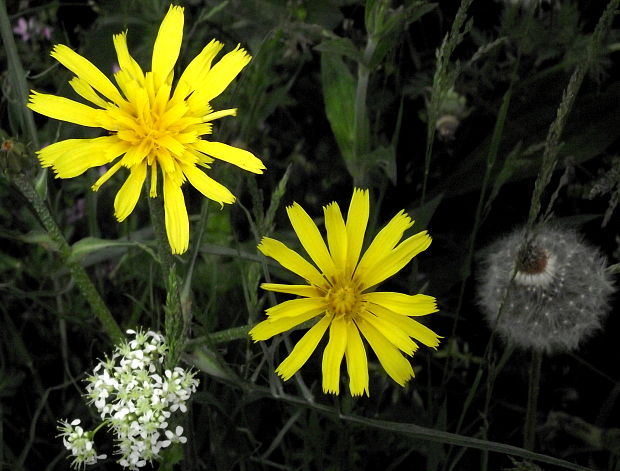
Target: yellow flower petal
x,y
291,260
153,188
87,71
311,238
383,243
73,157
382,268
393,362
177,222
136,153
267,329
167,45
407,325
127,197
206,185
83,89
391,332
76,154
340,295
357,221
224,72
297,307
196,71
357,362
336,234
220,114
416,305
106,176
305,291
303,349
125,61
148,126
64,109
332,357
233,155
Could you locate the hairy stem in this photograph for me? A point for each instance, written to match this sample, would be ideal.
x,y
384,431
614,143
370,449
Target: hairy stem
x,y
77,271
174,325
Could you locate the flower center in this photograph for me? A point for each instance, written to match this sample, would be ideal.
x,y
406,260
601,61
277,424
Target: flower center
x,y
535,266
344,300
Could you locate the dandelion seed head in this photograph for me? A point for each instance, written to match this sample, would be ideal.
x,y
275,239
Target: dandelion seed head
x,y
559,295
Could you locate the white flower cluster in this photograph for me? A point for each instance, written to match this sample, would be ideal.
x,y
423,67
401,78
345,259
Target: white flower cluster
x,y
79,443
135,397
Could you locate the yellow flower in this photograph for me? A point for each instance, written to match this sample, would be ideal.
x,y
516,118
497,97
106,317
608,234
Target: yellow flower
x,y
148,124
341,293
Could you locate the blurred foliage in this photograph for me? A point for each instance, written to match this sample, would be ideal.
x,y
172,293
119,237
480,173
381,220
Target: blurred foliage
x,y
338,93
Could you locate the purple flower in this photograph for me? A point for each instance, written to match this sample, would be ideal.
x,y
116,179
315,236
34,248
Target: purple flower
x,y
32,29
22,29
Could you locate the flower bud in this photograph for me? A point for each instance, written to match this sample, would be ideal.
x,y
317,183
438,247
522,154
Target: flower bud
x,y
452,109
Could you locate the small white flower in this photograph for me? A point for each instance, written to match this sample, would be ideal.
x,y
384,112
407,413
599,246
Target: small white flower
x,y
136,397
79,443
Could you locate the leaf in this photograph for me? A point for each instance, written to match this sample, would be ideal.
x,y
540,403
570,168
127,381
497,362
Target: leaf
x,y
384,158
341,46
89,245
423,214
419,432
339,94
39,238
210,363
389,24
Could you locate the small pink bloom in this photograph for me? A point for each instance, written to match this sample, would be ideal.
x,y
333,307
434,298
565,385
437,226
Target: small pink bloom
x,y
47,32
22,29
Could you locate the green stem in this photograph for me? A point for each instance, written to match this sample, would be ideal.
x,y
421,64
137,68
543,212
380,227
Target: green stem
x,y
77,271
174,325
228,335
529,429
235,333
361,128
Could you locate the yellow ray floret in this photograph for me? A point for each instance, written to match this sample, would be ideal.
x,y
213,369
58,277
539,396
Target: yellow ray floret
x,y
152,123
337,295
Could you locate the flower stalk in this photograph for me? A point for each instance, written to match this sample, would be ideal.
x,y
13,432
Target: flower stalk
x,y
81,278
529,432
174,324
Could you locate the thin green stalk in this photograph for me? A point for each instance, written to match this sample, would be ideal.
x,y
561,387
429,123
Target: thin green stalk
x,y
77,271
174,325
235,333
498,131
360,128
443,80
529,429
552,142
228,335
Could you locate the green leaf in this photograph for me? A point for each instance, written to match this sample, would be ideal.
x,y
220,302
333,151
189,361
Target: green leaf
x,y
89,245
210,363
423,214
39,238
383,158
341,46
339,95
